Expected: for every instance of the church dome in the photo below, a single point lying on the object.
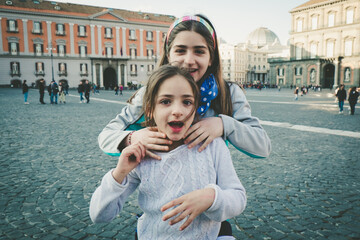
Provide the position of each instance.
(263, 36)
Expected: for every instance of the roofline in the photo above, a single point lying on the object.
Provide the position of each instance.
(315, 5)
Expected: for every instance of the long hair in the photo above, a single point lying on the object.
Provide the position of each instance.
(222, 104)
(152, 88)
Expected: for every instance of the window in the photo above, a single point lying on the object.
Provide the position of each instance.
(349, 16)
(298, 71)
(149, 36)
(150, 53)
(108, 32)
(330, 49)
(14, 48)
(132, 34)
(81, 31)
(348, 47)
(82, 51)
(15, 69)
(299, 25)
(347, 74)
(133, 52)
(312, 75)
(314, 22)
(83, 69)
(38, 49)
(298, 51)
(150, 68)
(12, 26)
(61, 49)
(331, 19)
(60, 29)
(62, 69)
(109, 52)
(133, 70)
(37, 28)
(39, 68)
(313, 50)
(280, 72)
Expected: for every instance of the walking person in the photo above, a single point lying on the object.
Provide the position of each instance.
(296, 93)
(353, 98)
(341, 96)
(121, 89)
(116, 89)
(54, 90)
(81, 90)
(87, 89)
(42, 90)
(25, 91)
(62, 93)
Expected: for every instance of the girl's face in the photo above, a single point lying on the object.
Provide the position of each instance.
(173, 106)
(190, 51)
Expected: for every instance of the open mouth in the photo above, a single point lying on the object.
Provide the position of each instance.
(191, 70)
(176, 124)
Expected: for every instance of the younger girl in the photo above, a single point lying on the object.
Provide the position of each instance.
(170, 101)
(191, 43)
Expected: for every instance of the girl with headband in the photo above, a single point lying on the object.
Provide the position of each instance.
(191, 43)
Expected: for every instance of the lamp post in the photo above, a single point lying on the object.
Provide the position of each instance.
(51, 49)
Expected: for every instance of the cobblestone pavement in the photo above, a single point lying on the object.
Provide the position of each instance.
(50, 163)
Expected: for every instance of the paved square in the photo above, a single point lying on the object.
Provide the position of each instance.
(50, 163)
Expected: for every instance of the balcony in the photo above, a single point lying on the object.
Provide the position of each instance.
(15, 73)
(133, 74)
(62, 73)
(60, 33)
(84, 74)
(39, 73)
(82, 34)
(37, 31)
(109, 36)
(12, 30)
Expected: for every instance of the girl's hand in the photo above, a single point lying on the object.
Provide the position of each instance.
(152, 140)
(130, 157)
(206, 129)
(189, 205)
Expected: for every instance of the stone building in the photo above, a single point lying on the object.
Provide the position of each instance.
(70, 42)
(324, 46)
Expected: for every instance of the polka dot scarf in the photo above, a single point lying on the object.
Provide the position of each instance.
(208, 91)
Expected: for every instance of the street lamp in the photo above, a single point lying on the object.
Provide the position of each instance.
(51, 49)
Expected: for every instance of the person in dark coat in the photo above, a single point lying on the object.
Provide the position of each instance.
(42, 90)
(81, 89)
(353, 98)
(25, 91)
(341, 95)
(87, 91)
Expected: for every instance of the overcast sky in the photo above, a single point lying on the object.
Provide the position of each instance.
(233, 19)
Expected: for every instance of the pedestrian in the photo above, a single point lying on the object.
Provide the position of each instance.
(341, 96)
(296, 93)
(170, 103)
(62, 94)
(66, 88)
(353, 98)
(25, 91)
(192, 43)
(81, 90)
(87, 89)
(116, 89)
(54, 89)
(42, 90)
(121, 89)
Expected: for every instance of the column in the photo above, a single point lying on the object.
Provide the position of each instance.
(117, 40)
(92, 33)
(318, 73)
(336, 74)
(99, 43)
(72, 39)
(124, 41)
(125, 75)
(157, 43)
(101, 76)
(48, 25)
(26, 40)
(94, 74)
(119, 73)
(141, 43)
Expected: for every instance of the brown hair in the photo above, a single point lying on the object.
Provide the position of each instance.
(156, 79)
(222, 104)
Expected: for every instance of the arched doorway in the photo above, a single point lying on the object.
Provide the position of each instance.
(16, 83)
(329, 71)
(110, 80)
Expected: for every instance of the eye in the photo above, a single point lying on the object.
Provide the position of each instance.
(188, 102)
(165, 101)
(199, 51)
(179, 50)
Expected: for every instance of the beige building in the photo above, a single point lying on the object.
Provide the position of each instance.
(324, 46)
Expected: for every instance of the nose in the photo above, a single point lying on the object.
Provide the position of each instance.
(189, 58)
(177, 110)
